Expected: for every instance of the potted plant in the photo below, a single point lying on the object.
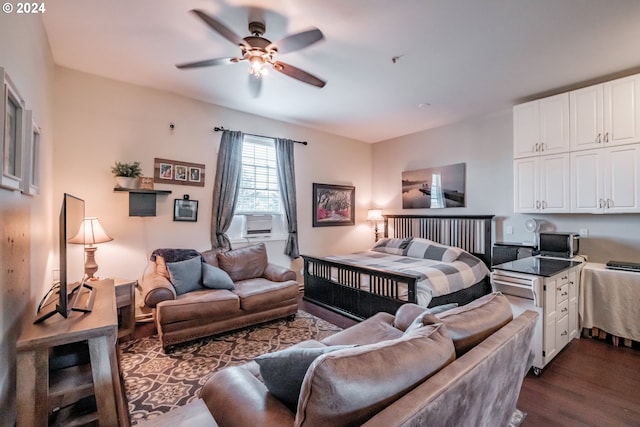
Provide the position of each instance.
(127, 174)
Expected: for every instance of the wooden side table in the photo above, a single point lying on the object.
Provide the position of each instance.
(99, 328)
(125, 304)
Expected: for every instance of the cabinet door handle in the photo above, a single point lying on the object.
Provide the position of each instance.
(537, 147)
(564, 310)
(544, 204)
(609, 203)
(537, 204)
(606, 137)
(600, 203)
(599, 138)
(542, 146)
(564, 333)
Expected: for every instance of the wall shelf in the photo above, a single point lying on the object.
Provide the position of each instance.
(142, 202)
(139, 190)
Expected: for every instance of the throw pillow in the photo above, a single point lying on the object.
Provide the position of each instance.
(419, 321)
(185, 276)
(283, 371)
(216, 278)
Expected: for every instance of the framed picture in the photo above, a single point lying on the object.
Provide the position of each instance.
(12, 138)
(333, 205)
(178, 172)
(185, 210)
(438, 187)
(181, 173)
(194, 174)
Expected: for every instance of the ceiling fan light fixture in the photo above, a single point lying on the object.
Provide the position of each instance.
(257, 65)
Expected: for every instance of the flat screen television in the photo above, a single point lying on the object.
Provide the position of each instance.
(71, 262)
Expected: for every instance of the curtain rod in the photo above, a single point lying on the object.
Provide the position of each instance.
(220, 129)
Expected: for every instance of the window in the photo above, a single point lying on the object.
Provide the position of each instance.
(259, 190)
(11, 134)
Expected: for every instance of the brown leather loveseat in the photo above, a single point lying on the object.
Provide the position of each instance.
(461, 367)
(195, 294)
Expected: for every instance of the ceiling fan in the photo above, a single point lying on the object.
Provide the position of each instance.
(259, 52)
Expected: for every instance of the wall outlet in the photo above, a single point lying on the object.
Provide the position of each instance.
(508, 229)
(584, 232)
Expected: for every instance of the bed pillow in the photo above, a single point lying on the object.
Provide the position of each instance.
(428, 249)
(216, 278)
(391, 246)
(185, 276)
(283, 371)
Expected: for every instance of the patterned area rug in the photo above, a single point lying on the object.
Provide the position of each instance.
(156, 382)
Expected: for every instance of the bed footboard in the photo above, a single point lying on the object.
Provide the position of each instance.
(339, 287)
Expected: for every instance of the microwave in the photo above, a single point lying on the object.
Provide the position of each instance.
(561, 245)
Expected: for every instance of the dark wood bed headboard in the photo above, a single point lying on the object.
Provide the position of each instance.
(472, 233)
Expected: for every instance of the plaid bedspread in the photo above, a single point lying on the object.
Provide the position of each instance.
(435, 278)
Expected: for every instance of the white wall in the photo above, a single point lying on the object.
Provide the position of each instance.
(100, 121)
(485, 145)
(26, 228)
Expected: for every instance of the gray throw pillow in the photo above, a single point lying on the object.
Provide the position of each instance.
(283, 371)
(418, 322)
(185, 275)
(216, 278)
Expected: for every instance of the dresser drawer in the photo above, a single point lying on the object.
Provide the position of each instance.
(562, 293)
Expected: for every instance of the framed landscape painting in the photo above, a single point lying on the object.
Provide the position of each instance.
(333, 205)
(437, 187)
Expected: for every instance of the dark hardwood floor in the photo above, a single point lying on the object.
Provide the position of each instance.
(590, 383)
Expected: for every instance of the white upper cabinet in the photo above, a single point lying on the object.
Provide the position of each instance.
(606, 114)
(606, 180)
(541, 184)
(541, 127)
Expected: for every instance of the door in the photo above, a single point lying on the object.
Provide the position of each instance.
(555, 183)
(586, 108)
(526, 129)
(587, 171)
(622, 189)
(554, 124)
(526, 183)
(621, 111)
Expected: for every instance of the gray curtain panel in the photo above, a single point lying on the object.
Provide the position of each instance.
(225, 188)
(287, 182)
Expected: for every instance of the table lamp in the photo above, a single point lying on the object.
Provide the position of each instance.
(90, 234)
(375, 215)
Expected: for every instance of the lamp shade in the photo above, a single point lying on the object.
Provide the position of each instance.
(374, 215)
(90, 233)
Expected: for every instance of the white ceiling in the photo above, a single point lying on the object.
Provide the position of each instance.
(463, 58)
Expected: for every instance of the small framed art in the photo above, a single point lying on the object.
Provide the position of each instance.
(185, 210)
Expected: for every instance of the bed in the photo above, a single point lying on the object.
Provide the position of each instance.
(362, 284)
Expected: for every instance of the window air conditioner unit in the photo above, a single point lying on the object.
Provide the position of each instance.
(257, 226)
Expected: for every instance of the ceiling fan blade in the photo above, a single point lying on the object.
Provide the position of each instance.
(298, 41)
(255, 85)
(206, 63)
(298, 74)
(220, 28)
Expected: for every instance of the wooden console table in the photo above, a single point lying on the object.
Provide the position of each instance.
(610, 301)
(37, 397)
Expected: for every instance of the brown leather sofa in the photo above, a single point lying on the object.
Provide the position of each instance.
(262, 292)
(464, 367)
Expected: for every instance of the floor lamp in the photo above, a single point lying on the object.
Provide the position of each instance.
(90, 234)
